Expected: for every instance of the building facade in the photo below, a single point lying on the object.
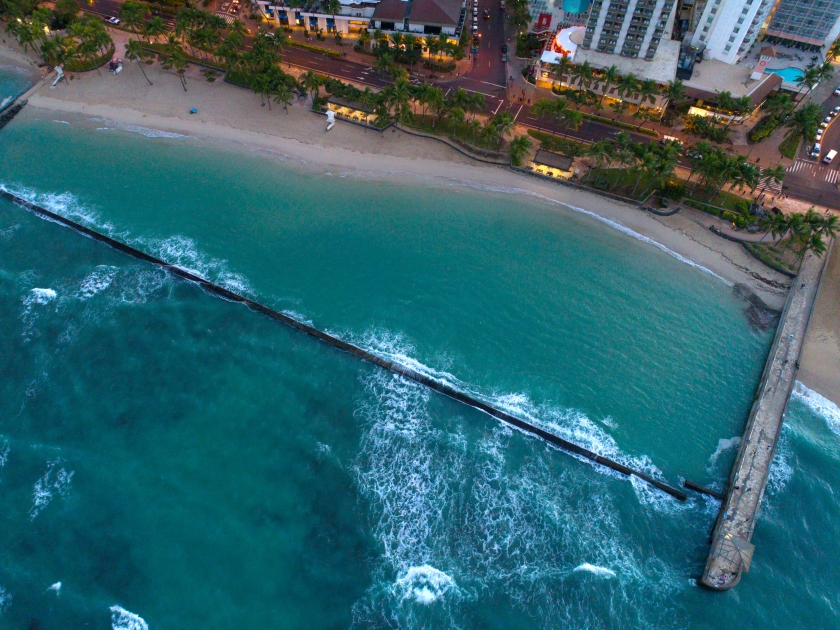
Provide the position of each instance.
(809, 23)
(631, 28)
(726, 29)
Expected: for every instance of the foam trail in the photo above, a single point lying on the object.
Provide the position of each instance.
(820, 405)
(56, 587)
(724, 444)
(121, 619)
(595, 570)
(143, 131)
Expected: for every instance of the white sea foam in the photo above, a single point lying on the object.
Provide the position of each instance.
(5, 101)
(4, 453)
(5, 600)
(820, 405)
(61, 122)
(298, 317)
(424, 585)
(6, 233)
(121, 619)
(96, 281)
(781, 469)
(143, 131)
(723, 445)
(48, 486)
(55, 587)
(33, 302)
(40, 296)
(595, 570)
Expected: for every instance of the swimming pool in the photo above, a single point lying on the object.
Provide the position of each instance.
(789, 75)
(575, 6)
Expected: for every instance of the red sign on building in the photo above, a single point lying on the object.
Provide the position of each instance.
(543, 22)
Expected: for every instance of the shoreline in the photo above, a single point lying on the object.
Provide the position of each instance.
(234, 116)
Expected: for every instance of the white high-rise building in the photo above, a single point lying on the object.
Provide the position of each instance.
(727, 28)
(631, 28)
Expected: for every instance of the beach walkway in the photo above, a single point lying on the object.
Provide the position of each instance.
(731, 551)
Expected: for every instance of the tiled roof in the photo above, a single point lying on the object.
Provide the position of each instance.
(437, 12)
(390, 10)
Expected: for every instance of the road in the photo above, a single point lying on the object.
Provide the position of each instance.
(809, 179)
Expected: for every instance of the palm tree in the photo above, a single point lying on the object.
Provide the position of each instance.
(154, 28)
(175, 59)
(830, 225)
(133, 14)
(430, 42)
(384, 64)
(504, 123)
(542, 108)
(805, 122)
(585, 74)
(134, 51)
(443, 45)
(54, 50)
(645, 164)
(648, 91)
(627, 159)
(675, 91)
(558, 108)
(563, 67)
(436, 101)
(311, 83)
(597, 152)
(399, 99)
(476, 104)
(779, 105)
(833, 51)
(809, 79)
(283, 96)
(364, 38)
(775, 173)
(608, 78)
(773, 224)
(571, 119)
(518, 147)
(474, 126)
(457, 116)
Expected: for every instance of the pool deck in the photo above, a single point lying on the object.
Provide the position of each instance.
(731, 550)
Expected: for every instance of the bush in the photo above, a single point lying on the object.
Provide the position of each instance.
(557, 145)
(764, 129)
(673, 190)
(80, 65)
(737, 219)
(408, 57)
(743, 207)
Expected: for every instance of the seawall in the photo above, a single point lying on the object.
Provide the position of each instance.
(392, 366)
(731, 550)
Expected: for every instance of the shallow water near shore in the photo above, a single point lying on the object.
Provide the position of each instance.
(199, 466)
(13, 82)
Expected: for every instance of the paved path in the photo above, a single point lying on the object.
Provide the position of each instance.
(731, 551)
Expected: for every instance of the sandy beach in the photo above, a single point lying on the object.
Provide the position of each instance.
(236, 116)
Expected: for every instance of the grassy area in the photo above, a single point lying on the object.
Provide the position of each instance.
(620, 182)
(790, 145)
(449, 128)
(775, 257)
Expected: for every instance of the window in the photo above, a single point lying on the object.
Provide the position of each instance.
(705, 29)
(731, 38)
(740, 20)
(727, 48)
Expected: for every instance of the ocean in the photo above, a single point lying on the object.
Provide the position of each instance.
(13, 82)
(173, 460)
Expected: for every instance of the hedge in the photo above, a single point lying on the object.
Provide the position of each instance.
(437, 67)
(327, 51)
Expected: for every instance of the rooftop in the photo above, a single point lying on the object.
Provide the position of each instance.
(711, 76)
(554, 160)
(662, 69)
(437, 12)
(391, 10)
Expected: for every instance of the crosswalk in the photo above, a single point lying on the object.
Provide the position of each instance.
(815, 170)
(229, 19)
(770, 185)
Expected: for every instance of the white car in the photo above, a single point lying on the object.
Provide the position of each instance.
(835, 111)
(819, 136)
(815, 152)
(113, 20)
(837, 92)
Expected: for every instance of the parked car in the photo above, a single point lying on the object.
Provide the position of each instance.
(829, 156)
(503, 6)
(475, 9)
(486, 14)
(837, 92)
(815, 152)
(113, 20)
(504, 58)
(819, 135)
(836, 110)
(504, 48)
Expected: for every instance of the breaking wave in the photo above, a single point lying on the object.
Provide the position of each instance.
(121, 619)
(595, 570)
(113, 125)
(820, 405)
(48, 486)
(723, 445)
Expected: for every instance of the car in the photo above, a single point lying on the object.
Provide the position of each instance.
(815, 152)
(829, 156)
(504, 58)
(474, 49)
(475, 9)
(836, 110)
(837, 92)
(504, 48)
(486, 14)
(475, 28)
(476, 41)
(503, 6)
(818, 136)
(113, 20)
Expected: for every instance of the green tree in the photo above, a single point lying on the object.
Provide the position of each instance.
(311, 83)
(283, 96)
(805, 122)
(608, 78)
(65, 12)
(133, 14)
(518, 147)
(154, 28)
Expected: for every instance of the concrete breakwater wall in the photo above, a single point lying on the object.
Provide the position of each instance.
(392, 366)
(731, 550)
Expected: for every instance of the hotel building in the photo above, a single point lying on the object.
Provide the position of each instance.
(810, 24)
(726, 29)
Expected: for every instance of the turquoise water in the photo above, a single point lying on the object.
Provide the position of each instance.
(175, 458)
(789, 75)
(13, 81)
(575, 6)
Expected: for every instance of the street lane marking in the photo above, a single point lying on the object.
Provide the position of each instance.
(498, 108)
(517, 113)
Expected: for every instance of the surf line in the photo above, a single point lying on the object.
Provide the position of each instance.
(386, 364)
